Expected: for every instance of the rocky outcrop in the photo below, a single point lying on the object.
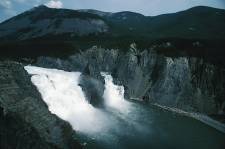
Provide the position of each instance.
(190, 84)
(93, 89)
(25, 119)
(187, 83)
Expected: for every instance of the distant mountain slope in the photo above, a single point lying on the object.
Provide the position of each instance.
(195, 23)
(41, 21)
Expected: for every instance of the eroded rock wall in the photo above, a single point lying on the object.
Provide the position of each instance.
(187, 83)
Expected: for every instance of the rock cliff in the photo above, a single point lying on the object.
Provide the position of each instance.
(188, 83)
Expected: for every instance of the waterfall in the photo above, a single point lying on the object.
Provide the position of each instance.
(65, 98)
(119, 122)
(114, 94)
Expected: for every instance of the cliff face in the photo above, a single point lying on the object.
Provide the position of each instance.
(25, 119)
(190, 84)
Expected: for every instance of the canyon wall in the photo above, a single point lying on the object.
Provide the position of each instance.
(187, 83)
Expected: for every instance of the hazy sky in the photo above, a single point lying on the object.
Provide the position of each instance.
(9, 8)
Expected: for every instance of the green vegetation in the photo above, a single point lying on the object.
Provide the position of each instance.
(63, 46)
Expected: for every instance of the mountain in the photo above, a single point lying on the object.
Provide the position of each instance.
(97, 12)
(198, 22)
(175, 61)
(41, 21)
(198, 32)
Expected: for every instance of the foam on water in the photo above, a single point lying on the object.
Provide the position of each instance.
(65, 98)
(60, 90)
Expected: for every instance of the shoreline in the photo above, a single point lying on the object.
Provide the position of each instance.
(200, 117)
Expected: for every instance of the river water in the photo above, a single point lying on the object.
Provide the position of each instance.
(120, 124)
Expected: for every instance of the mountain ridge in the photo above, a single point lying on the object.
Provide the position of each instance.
(95, 10)
(197, 22)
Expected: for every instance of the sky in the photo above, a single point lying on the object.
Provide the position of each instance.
(9, 8)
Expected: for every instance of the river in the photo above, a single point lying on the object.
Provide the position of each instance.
(121, 123)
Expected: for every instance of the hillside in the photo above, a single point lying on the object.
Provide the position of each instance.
(198, 22)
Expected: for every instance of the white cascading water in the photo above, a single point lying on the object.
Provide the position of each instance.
(65, 98)
(114, 95)
(60, 90)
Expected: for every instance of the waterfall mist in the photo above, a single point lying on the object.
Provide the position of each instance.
(60, 90)
(65, 98)
(114, 95)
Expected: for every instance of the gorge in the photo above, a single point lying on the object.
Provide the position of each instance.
(96, 80)
(118, 119)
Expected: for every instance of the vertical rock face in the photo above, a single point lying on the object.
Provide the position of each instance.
(209, 85)
(190, 84)
(25, 119)
(93, 89)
